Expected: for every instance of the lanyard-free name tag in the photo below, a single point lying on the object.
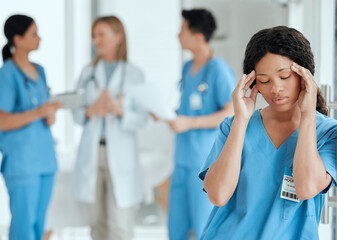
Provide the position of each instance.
(288, 186)
(195, 101)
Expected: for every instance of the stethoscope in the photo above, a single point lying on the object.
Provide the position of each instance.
(95, 81)
(26, 83)
(203, 86)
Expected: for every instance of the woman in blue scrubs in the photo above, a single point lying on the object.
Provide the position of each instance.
(269, 169)
(29, 162)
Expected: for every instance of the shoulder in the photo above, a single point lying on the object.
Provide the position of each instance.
(7, 72)
(39, 67)
(7, 67)
(219, 64)
(133, 73)
(228, 121)
(87, 70)
(40, 70)
(221, 72)
(187, 65)
(130, 67)
(326, 127)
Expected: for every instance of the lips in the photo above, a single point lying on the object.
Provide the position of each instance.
(280, 100)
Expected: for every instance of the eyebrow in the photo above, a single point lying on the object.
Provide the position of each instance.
(280, 70)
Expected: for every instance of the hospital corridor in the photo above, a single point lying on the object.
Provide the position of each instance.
(168, 119)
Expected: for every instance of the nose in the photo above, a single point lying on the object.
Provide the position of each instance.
(277, 87)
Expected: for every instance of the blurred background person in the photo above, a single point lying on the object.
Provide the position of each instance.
(29, 161)
(206, 86)
(107, 171)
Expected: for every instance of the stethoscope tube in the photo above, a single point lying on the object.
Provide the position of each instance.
(121, 84)
(203, 86)
(26, 80)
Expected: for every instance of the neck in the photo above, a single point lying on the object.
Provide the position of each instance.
(20, 57)
(202, 54)
(292, 115)
(111, 57)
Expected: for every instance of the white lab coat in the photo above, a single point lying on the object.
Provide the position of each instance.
(121, 142)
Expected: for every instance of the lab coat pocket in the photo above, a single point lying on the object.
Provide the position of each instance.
(302, 208)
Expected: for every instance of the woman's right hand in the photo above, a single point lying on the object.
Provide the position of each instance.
(48, 111)
(244, 107)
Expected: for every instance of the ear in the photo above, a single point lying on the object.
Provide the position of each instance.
(17, 40)
(200, 37)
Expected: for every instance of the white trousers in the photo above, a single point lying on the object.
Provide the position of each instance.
(109, 222)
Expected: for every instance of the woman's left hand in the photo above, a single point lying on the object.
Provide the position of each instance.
(308, 95)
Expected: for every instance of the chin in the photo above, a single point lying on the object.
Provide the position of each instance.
(283, 108)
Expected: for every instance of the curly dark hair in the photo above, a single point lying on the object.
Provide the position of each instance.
(286, 42)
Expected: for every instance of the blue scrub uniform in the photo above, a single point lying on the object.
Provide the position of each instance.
(256, 211)
(188, 207)
(29, 161)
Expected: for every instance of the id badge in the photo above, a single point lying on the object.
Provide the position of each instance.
(288, 186)
(195, 101)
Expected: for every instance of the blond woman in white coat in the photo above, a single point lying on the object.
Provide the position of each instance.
(107, 171)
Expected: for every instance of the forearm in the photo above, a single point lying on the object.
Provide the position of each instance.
(309, 172)
(213, 120)
(12, 121)
(222, 177)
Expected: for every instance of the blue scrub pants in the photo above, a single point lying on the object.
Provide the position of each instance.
(189, 206)
(29, 197)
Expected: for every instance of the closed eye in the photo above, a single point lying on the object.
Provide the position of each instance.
(283, 78)
(264, 82)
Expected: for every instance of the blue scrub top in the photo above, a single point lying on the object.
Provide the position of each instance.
(192, 147)
(28, 150)
(256, 211)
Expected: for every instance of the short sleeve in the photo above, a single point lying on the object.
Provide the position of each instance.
(220, 140)
(7, 91)
(327, 152)
(225, 84)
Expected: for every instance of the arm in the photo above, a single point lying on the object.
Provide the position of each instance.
(185, 123)
(309, 172)
(12, 121)
(222, 177)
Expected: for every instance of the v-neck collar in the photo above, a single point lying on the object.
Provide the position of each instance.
(26, 75)
(203, 67)
(267, 136)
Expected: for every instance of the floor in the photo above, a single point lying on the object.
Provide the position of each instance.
(150, 225)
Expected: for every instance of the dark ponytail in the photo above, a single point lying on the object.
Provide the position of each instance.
(14, 25)
(6, 52)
